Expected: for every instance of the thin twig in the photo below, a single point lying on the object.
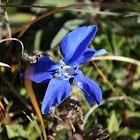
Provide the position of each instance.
(43, 16)
(72, 126)
(19, 42)
(53, 113)
(7, 24)
(104, 5)
(4, 64)
(107, 100)
(31, 122)
(117, 58)
(25, 29)
(105, 79)
(95, 12)
(3, 40)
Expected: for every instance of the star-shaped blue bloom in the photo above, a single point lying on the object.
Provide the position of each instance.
(75, 52)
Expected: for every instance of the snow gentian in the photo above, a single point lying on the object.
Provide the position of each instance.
(75, 52)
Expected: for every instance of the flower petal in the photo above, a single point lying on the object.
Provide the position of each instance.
(42, 71)
(100, 52)
(90, 89)
(89, 53)
(74, 44)
(58, 90)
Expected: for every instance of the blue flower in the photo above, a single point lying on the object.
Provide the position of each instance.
(75, 52)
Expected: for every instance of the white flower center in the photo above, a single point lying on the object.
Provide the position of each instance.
(68, 71)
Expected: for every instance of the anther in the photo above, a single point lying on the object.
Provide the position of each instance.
(68, 71)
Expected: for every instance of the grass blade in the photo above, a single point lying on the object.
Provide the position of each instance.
(29, 88)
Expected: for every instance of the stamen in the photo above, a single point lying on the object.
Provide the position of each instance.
(68, 71)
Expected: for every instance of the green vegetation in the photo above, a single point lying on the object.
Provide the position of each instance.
(118, 32)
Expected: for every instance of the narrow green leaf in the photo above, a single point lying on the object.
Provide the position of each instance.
(113, 124)
(121, 131)
(51, 3)
(19, 18)
(133, 133)
(55, 3)
(133, 114)
(111, 39)
(38, 39)
(68, 26)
